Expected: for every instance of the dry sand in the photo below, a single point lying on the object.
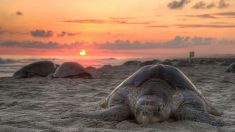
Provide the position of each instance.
(37, 104)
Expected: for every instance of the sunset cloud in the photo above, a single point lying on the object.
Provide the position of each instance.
(203, 16)
(121, 18)
(41, 33)
(2, 31)
(177, 42)
(178, 4)
(209, 25)
(206, 25)
(159, 26)
(19, 13)
(203, 5)
(38, 44)
(214, 15)
(223, 4)
(9, 32)
(111, 20)
(86, 21)
(225, 14)
(63, 34)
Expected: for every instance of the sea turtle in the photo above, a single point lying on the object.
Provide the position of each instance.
(39, 68)
(149, 62)
(182, 63)
(156, 93)
(131, 63)
(71, 70)
(231, 68)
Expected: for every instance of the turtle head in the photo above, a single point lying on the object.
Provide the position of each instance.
(20, 74)
(150, 109)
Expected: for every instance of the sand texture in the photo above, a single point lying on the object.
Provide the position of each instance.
(37, 104)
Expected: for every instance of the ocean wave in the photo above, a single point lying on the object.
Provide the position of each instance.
(7, 61)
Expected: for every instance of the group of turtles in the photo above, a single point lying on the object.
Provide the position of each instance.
(154, 93)
(75, 70)
(229, 62)
(52, 70)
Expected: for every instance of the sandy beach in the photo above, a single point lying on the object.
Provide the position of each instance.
(37, 104)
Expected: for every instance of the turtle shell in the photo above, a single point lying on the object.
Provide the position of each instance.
(40, 68)
(70, 69)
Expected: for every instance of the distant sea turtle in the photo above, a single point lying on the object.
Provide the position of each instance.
(231, 68)
(182, 63)
(71, 70)
(227, 61)
(156, 93)
(131, 63)
(149, 62)
(40, 68)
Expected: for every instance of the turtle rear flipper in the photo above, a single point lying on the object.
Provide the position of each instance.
(190, 113)
(115, 113)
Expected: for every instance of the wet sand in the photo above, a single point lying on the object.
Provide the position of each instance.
(37, 104)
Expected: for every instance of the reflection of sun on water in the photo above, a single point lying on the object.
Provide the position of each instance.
(83, 52)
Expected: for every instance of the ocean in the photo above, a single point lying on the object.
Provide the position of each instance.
(10, 65)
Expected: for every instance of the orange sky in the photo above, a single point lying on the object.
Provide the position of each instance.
(144, 27)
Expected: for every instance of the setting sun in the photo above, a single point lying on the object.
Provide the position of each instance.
(83, 52)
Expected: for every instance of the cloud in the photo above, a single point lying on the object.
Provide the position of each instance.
(177, 42)
(205, 25)
(2, 31)
(199, 5)
(158, 26)
(8, 32)
(133, 23)
(63, 34)
(223, 4)
(18, 13)
(178, 4)
(211, 5)
(203, 5)
(127, 45)
(41, 33)
(209, 25)
(38, 44)
(111, 20)
(114, 35)
(203, 16)
(215, 15)
(86, 21)
(121, 18)
(225, 14)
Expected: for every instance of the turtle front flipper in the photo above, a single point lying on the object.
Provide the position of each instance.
(190, 113)
(213, 110)
(115, 113)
